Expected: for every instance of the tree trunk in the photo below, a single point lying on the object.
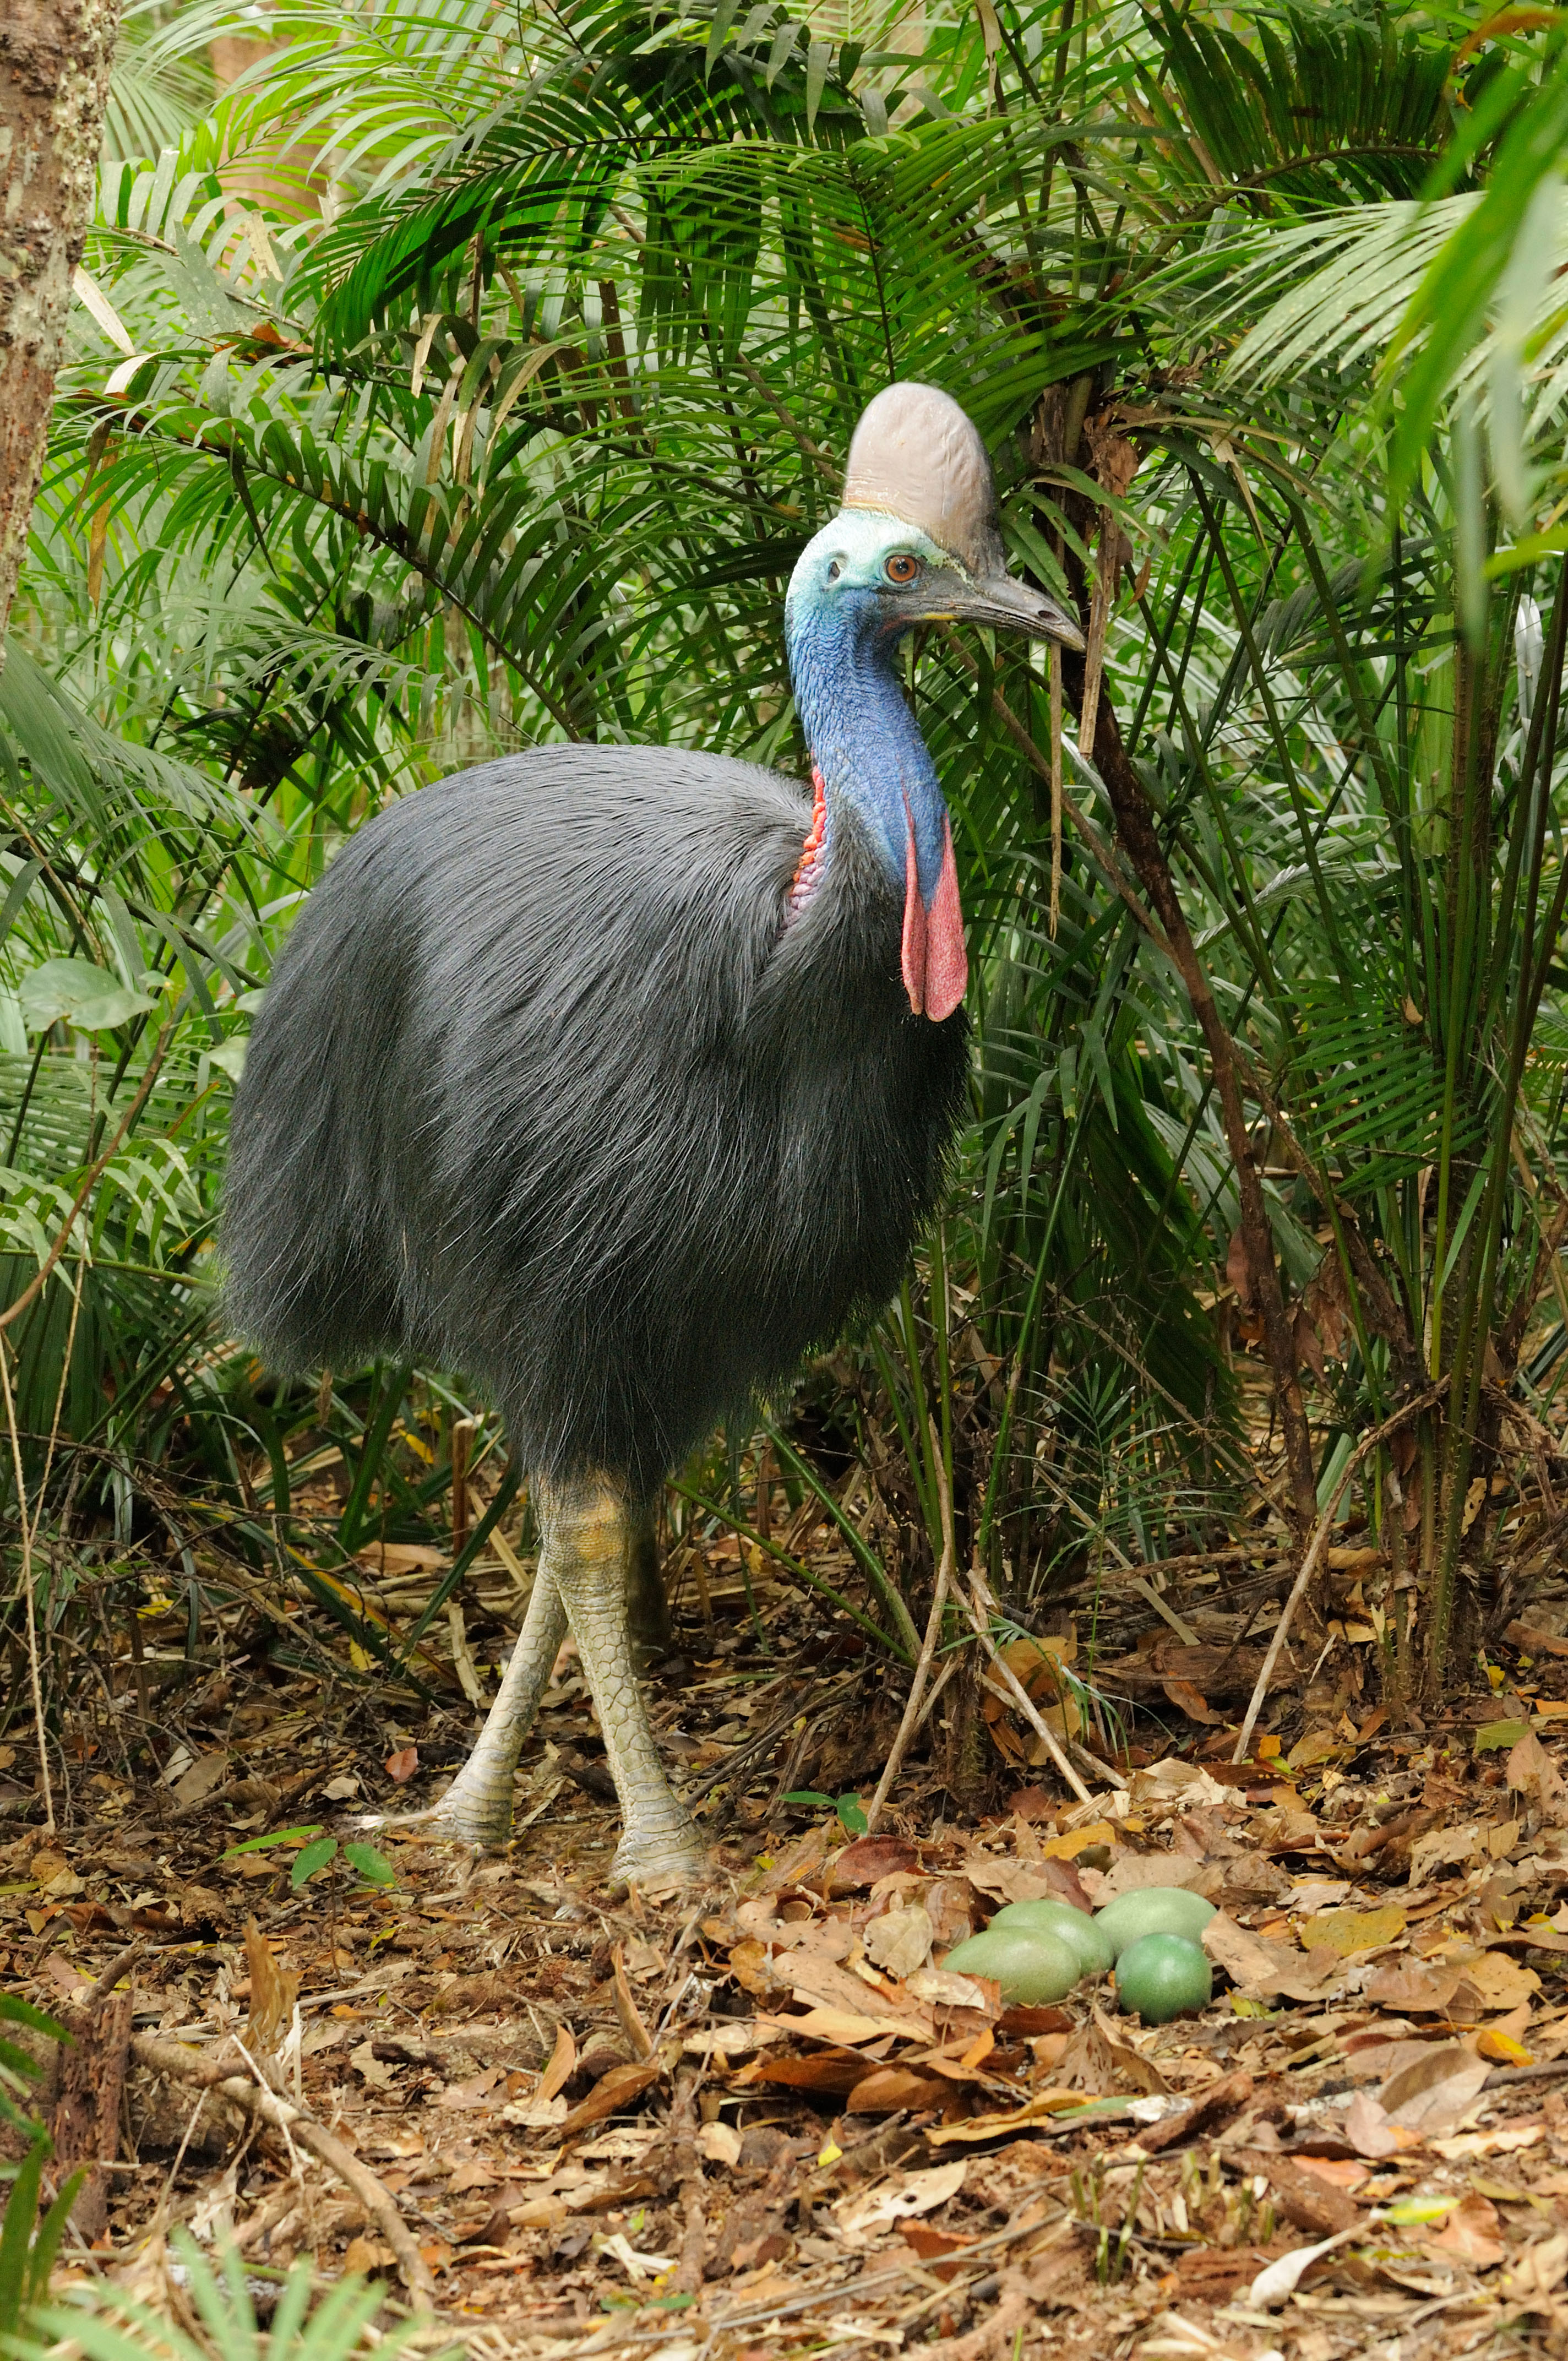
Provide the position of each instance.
(55, 57)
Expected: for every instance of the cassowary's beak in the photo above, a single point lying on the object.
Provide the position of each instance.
(1008, 604)
(999, 599)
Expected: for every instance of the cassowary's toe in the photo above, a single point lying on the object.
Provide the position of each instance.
(657, 1860)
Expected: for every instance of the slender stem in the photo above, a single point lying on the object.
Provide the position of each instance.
(910, 1721)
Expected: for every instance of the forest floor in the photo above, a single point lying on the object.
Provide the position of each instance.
(764, 2120)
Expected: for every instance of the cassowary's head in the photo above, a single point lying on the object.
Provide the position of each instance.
(916, 541)
(916, 538)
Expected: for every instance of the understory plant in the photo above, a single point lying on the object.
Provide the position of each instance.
(454, 382)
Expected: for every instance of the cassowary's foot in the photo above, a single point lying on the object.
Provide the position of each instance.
(476, 1807)
(657, 1858)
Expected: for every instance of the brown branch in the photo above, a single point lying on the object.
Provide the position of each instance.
(1140, 840)
(120, 1965)
(172, 2057)
(1100, 852)
(1384, 1312)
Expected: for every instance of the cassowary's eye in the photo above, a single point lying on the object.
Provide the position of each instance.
(902, 569)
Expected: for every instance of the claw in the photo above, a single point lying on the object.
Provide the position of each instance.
(469, 1827)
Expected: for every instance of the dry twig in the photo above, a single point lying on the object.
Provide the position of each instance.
(911, 1719)
(173, 2058)
(1314, 1550)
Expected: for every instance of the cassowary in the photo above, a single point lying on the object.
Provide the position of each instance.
(619, 1078)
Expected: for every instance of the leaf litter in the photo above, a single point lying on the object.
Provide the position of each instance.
(767, 2119)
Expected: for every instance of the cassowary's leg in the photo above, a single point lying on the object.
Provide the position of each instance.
(647, 1607)
(590, 1528)
(476, 1807)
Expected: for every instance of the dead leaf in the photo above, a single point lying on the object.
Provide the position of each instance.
(1191, 1702)
(1501, 1981)
(893, 2200)
(721, 2143)
(471, 2092)
(401, 1767)
(1411, 1988)
(1369, 2131)
(1319, 1745)
(205, 1774)
(824, 1982)
(1431, 2094)
(1339, 2171)
(856, 1868)
(1278, 2281)
(1044, 2104)
(273, 1992)
(1067, 1846)
(1439, 1847)
(1504, 2141)
(900, 1940)
(1470, 2233)
(946, 1989)
(1135, 1873)
(836, 2072)
(563, 2060)
(929, 2245)
(889, 2087)
(1348, 1931)
(369, 2067)
(368, 2256)
(1532, 1772)
(1538, 2270)
(632, 2024)
(612, 2091)
(1262, 1970)
(1098, 2065)
(842, 2027)
(753, 1969)
(63, 1975)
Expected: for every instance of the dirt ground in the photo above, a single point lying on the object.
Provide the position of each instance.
(765, 2119)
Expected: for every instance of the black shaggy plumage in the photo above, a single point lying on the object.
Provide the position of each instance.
(549, 1088)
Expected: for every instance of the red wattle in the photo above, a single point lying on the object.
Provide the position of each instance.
(914, 929)
(935, 964)
(947, 961)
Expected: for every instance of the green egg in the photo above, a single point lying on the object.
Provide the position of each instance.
(1162, 1976)
(1031, 1965)
(1074, 1928)
(1157, 1910)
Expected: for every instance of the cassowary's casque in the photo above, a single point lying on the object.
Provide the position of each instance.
(618, 1077)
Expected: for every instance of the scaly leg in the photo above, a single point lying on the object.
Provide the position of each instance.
(589, 1526)
(476, 1807)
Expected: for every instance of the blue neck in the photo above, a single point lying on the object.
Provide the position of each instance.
(862, 735)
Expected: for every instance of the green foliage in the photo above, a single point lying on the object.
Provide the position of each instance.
(18, 2068)
(28, 2244)
(105, 2324)
(316, 1852)
(849, 1809)
(460, 380)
